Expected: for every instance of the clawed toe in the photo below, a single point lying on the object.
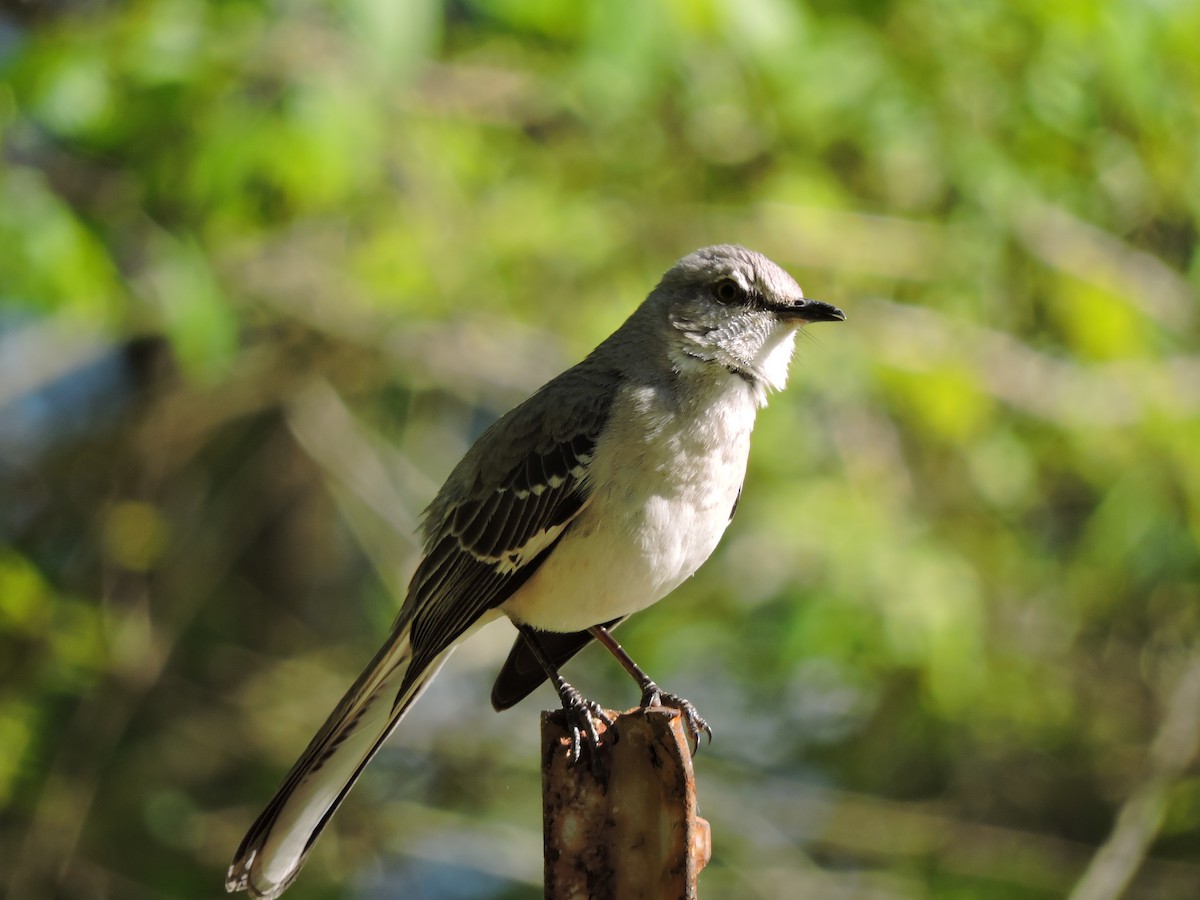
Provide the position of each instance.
(583, 722)
(693, 722)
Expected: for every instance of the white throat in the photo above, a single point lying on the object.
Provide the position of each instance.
(765, 371)
(772, 361)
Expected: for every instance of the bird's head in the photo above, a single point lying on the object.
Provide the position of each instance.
(730, 306)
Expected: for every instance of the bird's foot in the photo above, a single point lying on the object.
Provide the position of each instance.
(583, 722)
(693, 722)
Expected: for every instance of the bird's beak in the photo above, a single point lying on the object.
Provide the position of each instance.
(814, 311)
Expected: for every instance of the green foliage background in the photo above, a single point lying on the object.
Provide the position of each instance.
(267, 268)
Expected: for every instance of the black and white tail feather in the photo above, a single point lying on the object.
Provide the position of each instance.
(496, 519)
(720, 324)
(275, 847)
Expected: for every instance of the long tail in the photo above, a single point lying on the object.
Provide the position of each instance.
(276, 845)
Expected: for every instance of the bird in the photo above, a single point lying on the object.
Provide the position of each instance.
(591, 500)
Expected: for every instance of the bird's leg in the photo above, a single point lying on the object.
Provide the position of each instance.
(582, 714)
(652, 695)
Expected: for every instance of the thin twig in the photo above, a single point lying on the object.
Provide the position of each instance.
(1140, 819)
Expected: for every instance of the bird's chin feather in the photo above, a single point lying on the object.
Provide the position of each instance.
(772, 361)
(758, 356)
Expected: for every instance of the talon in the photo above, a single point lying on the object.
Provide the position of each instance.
(583, 716)
(693, 722)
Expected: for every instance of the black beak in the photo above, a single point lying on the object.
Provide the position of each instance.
(815, 311)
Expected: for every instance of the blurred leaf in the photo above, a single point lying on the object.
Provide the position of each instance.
(25, 596)
(17, 724)
(135, 535)
(941, 630)
(196, 315)
(50, 260)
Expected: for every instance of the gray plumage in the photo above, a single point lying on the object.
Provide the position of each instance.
(587, 502)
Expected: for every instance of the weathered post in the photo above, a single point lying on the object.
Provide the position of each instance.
(624, 826)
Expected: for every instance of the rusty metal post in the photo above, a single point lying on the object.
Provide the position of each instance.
(626, 827)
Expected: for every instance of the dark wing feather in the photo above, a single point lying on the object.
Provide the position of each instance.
(504, 508)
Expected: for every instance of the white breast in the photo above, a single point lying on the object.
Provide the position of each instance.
(664, 480)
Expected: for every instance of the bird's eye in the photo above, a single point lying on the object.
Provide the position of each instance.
(728, 290)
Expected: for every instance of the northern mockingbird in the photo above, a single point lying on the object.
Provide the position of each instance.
(591, 500)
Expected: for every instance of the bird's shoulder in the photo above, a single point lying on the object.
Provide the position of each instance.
(545, 441)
